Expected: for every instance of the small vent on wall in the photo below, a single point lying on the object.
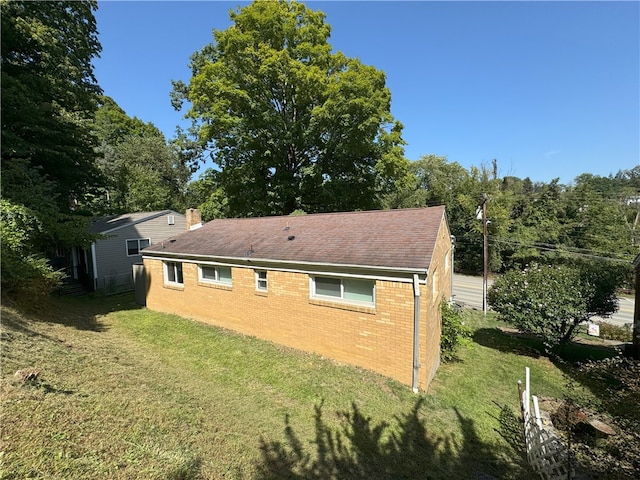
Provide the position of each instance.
(171, 219)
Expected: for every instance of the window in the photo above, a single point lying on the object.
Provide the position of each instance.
(134, 246)
(212, 274)
(349, 290)
(261, 281)
(173, 273)
(171, 219)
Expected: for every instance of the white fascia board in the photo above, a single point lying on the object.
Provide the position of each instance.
(312, 268)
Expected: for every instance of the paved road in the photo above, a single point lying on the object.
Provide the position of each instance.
(467, 291)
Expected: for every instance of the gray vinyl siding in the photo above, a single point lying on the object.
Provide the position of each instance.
(114, 266)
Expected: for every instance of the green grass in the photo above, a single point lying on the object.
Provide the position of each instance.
(127, 393)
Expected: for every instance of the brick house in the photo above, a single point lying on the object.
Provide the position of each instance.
(362, 288)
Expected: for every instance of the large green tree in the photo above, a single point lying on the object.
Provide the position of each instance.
(149, 175)
(291, 124)
(49, 94)
(141, 170)
(206, 194)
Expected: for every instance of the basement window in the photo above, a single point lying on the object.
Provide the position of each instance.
(173, 273)
(347, 290)
(211, 274)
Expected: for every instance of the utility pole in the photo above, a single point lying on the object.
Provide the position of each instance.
(485, 253)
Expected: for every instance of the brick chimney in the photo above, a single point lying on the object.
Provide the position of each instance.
(194, 219)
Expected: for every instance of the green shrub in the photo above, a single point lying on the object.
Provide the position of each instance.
(609, 331)
(25, 273)
(454, 332)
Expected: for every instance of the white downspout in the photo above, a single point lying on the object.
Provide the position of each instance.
(416, 332)
(95, 266)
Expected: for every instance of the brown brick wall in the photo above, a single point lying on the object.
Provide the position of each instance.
(379, 339)
(438, 286)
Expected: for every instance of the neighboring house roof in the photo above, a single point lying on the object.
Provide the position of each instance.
(402, 239)
(114, 222)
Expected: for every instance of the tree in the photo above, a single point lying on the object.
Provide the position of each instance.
(536, 225)
(208, 196)
(111, 125)
(604, 213)
(148, 175)
(49, 93)
(290, 124)
(142, 172)
(551, 301)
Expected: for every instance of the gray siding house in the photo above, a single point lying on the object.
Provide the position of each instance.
(107, 266)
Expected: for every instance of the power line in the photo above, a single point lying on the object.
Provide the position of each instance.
(563, 250)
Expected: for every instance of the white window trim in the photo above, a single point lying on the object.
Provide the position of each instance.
(265, 280)
(202, 279)
(126, 245)
(166, 273)
(313, 295)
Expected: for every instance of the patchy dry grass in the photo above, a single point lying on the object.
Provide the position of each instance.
(126, 393)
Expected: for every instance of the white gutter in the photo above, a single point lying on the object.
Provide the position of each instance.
(250, 261)
(95, 266)
(416, 332)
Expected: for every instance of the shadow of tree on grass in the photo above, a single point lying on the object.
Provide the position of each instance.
(528, 345)
(81, 313)
(364, 450)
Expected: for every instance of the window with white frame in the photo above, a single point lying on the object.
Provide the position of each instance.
(261, 280)
(349, 290)
(136, 244)
(214, 274)
(173, 273)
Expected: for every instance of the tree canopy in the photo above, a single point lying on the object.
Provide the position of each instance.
(142, 171)
(290, 124)
(49, 93)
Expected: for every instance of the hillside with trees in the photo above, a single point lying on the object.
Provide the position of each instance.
(290, 126)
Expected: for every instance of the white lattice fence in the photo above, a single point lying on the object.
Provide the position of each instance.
(546, 452)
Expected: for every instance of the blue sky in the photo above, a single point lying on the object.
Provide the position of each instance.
(549, 89)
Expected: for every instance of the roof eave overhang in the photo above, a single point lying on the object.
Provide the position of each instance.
(269, 262)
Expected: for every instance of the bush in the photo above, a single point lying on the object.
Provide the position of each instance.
(25, 273)
(454, 332)
(609, 331)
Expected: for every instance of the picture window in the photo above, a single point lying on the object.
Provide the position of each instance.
(348, 290)
(215, 274)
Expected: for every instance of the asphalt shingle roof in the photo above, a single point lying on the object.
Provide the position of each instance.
(402, 238)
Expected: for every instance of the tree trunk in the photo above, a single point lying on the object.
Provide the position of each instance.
(566, 338)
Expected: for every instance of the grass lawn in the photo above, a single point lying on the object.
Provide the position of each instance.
(127, 393)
